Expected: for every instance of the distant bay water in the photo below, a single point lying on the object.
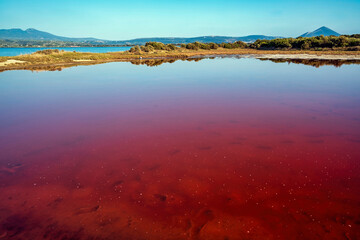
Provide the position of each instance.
(20, 51)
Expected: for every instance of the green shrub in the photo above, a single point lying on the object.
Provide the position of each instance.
(305, 45)
(147, 48)
(213, 46)
(227, 45)
(239, 44)
(192, 46)
(170, 47)
(135, 49)
(156, 45)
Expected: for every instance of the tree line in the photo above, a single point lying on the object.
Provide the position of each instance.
(151, 46)
(310, 43)
(344, 42)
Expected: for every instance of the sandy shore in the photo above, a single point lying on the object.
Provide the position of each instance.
(10, 62)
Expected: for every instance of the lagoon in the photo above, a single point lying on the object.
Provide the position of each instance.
(220, 148)
(21, 51)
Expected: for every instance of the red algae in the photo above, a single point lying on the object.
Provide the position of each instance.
(198, 167)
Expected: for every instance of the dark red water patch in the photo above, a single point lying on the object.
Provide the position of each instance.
(227, 164)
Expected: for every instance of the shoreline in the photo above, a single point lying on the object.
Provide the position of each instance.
(59, 60)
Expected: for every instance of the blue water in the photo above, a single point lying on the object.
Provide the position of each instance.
(19, 51)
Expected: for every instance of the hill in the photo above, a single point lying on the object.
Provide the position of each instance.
(204, 39)
(32, 34)
(320, 31)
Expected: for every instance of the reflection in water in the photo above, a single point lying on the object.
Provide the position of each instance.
(228, 149)
(311, 62)
(157, 62)
(316, 62)
(152, 62)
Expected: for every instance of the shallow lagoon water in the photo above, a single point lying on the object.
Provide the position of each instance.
(216, 149)
(21, 51)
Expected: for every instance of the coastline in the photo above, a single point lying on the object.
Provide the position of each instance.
(59, 60)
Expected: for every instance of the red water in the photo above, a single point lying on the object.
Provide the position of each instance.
(213, 160)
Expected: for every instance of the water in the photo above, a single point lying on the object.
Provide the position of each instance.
(216, 149)
(20, 51)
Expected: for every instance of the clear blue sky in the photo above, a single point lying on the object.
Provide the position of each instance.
(120, 20)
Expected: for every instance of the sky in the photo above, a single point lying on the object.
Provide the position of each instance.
(122, 20)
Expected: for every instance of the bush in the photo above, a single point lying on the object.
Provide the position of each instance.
(354, 42)
(202, 45)
(357, 48)
(156, 45)
(170, 47)
(48, 51)
(305, 45)
(213, 46)
(239, 44)
(192, 46)
(227, 45)
(135, 49)
(147, 48)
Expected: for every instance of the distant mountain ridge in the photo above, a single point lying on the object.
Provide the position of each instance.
(320, 31)
(33, 34)
(204, 39)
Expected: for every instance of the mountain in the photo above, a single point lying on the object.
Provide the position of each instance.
(204, 39)
(33, 34)
(321, 31)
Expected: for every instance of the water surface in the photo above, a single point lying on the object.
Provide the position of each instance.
(216, 149)
(20, 51)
